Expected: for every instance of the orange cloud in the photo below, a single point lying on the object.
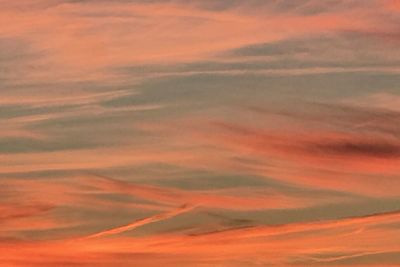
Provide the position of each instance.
(153, 93)
(90, 38)
(304, 244)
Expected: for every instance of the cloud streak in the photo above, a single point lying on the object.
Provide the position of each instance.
(139, 223)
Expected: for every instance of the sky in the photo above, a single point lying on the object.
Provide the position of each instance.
(199, 133)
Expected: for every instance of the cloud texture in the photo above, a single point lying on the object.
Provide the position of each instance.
(199, 133)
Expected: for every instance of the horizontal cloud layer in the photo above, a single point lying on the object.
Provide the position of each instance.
(188, 133)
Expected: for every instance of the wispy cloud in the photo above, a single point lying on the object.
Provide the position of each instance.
(185, 133)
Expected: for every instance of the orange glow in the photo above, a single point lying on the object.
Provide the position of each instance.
(199, 133)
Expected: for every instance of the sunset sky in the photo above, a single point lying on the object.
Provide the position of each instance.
(199, 133)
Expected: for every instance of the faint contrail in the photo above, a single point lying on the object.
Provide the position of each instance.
(139, 223)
